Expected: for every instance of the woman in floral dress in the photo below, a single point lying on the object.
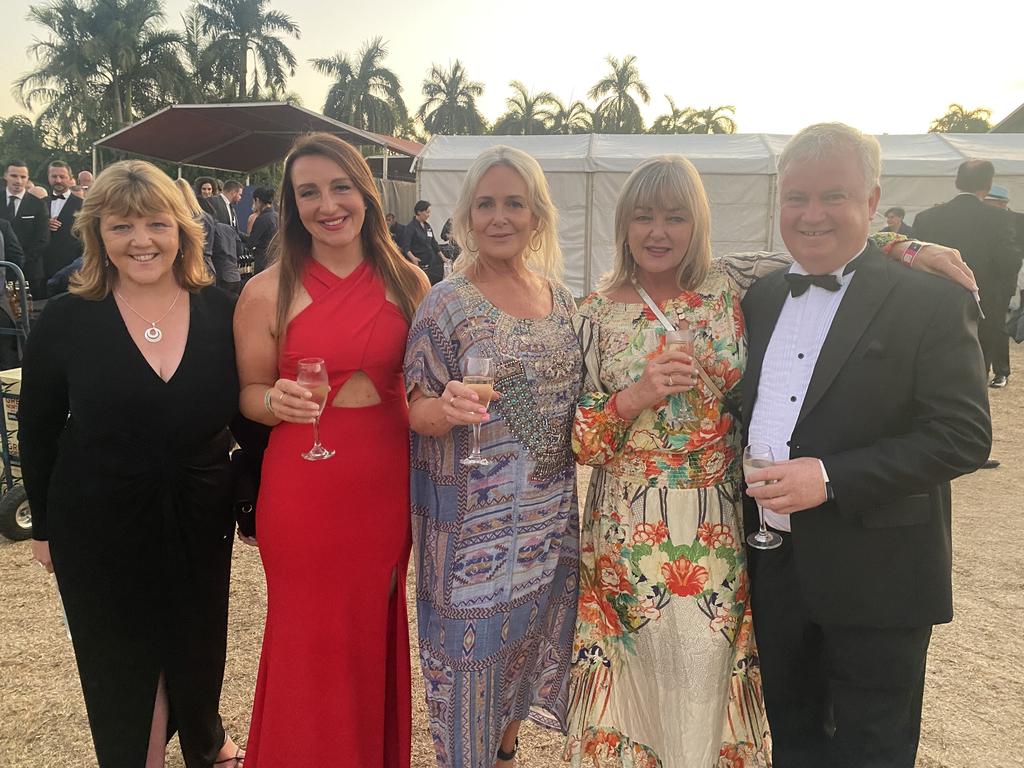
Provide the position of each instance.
(665, 672)
(497, 546)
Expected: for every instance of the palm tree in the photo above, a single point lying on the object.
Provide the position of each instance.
(365, 94)
(450, 106)
(675, 120)
(713, 120)
(527, 114)
(960, 120)
(618, 109)
(574, 118)
(104, 64)
(206, 79)
(242, 26)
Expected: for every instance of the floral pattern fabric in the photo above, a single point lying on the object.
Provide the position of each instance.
(665, 671)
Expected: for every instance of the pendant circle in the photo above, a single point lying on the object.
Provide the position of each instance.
(153, 334)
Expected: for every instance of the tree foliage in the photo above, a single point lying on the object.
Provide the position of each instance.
(365, 94)
(450, 102)
(960, 120)
(617, 107)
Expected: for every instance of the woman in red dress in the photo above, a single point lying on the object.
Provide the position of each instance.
(333, 683)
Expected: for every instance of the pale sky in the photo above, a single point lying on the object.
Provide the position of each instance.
(884, 67)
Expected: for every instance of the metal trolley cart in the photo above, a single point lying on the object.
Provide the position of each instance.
(15, 516)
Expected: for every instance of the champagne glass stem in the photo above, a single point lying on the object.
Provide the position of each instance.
(476, 441)
(760, 514)
(316, 436)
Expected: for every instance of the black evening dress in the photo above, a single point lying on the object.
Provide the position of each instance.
(128, 478)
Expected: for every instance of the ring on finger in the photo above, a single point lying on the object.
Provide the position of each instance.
(670, 380)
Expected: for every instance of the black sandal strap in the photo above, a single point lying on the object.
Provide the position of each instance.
(503, 755)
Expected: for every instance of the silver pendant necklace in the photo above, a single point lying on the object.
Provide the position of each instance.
(152, 334)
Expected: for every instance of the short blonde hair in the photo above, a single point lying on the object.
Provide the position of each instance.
(822, 140)
(547, 259)
(134, 188)
(667, 182)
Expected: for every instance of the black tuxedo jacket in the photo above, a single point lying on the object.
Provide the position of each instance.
(897, 406)
(984, 235)
(63, 247)
(219, 208)
(31, 226)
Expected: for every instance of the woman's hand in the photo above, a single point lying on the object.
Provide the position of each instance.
(250, 540)
(667, 374)
(461, 405)
(293, 403)
(41, 554)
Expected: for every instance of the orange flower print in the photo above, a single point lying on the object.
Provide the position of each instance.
(650, 533)
(730, 757)
(598, 612)
(684, 578)
(693, 299)
(715, 535)
(613, 575)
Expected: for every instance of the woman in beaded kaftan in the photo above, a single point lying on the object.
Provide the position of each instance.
(496, 546)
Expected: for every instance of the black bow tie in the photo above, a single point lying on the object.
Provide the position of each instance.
(60, 197)
(798, 284)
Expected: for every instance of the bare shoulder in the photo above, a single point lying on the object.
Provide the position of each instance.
(258, 301)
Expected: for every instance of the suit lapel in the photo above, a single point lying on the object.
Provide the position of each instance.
(761, 319)
(870, 285)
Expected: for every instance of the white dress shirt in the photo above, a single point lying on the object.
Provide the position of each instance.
(231, 211)
(57, 205)
(789, 361)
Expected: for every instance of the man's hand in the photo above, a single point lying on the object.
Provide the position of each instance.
(944, 262)
(792, 486)
(55, 224)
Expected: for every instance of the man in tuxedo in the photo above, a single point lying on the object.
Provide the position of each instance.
(223, 204)
(419, 244)
(985, 237)
(866, 380)
(29, 219)
(999, 197)
(63, 247)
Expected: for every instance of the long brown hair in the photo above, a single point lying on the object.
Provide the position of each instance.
(293, 241)
(134, 188)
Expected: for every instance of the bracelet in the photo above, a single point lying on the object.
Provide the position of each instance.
(886, 248)
(911, 253)
(267, 402)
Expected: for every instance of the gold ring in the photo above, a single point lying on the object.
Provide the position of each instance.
(670, 380)
(282, 397)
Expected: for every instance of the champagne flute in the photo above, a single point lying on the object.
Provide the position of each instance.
(758, 456)
(312, 375)
(479, 377)
(680, 340)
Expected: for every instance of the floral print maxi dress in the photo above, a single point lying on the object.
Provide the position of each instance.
(665, 673)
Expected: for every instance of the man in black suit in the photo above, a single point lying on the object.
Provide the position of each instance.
(999, 197)
(30, 219)
(420, 246)
(985, 238)
(223, 204)
(63, 247)
(866, 380)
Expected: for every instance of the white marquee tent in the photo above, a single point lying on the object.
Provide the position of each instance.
(585, 174)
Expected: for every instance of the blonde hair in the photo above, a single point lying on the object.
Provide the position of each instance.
(191, 201)
(822, 140)
(667, 182)
(547, 258)
(293, 242)
(134, 188)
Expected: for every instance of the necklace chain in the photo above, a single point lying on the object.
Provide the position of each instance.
(153, 334)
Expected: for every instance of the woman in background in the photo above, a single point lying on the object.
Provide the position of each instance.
(333, 686)
(129, 386)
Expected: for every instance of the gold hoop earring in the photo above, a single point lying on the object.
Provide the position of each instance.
(540, 241)
(471, 248)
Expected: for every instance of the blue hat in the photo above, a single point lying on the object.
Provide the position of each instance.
(998, 193)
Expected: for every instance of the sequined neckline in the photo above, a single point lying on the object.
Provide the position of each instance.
(553, 314)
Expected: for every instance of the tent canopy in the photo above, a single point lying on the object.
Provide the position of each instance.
(235, 137)
(739, 171)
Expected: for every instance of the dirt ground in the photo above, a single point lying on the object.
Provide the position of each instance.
(973, 701)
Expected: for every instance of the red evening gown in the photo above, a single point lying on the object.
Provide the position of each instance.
(333, 686)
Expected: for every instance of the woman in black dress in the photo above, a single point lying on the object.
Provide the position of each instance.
(128, 387)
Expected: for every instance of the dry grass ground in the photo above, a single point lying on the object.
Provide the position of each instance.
(973, 702)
